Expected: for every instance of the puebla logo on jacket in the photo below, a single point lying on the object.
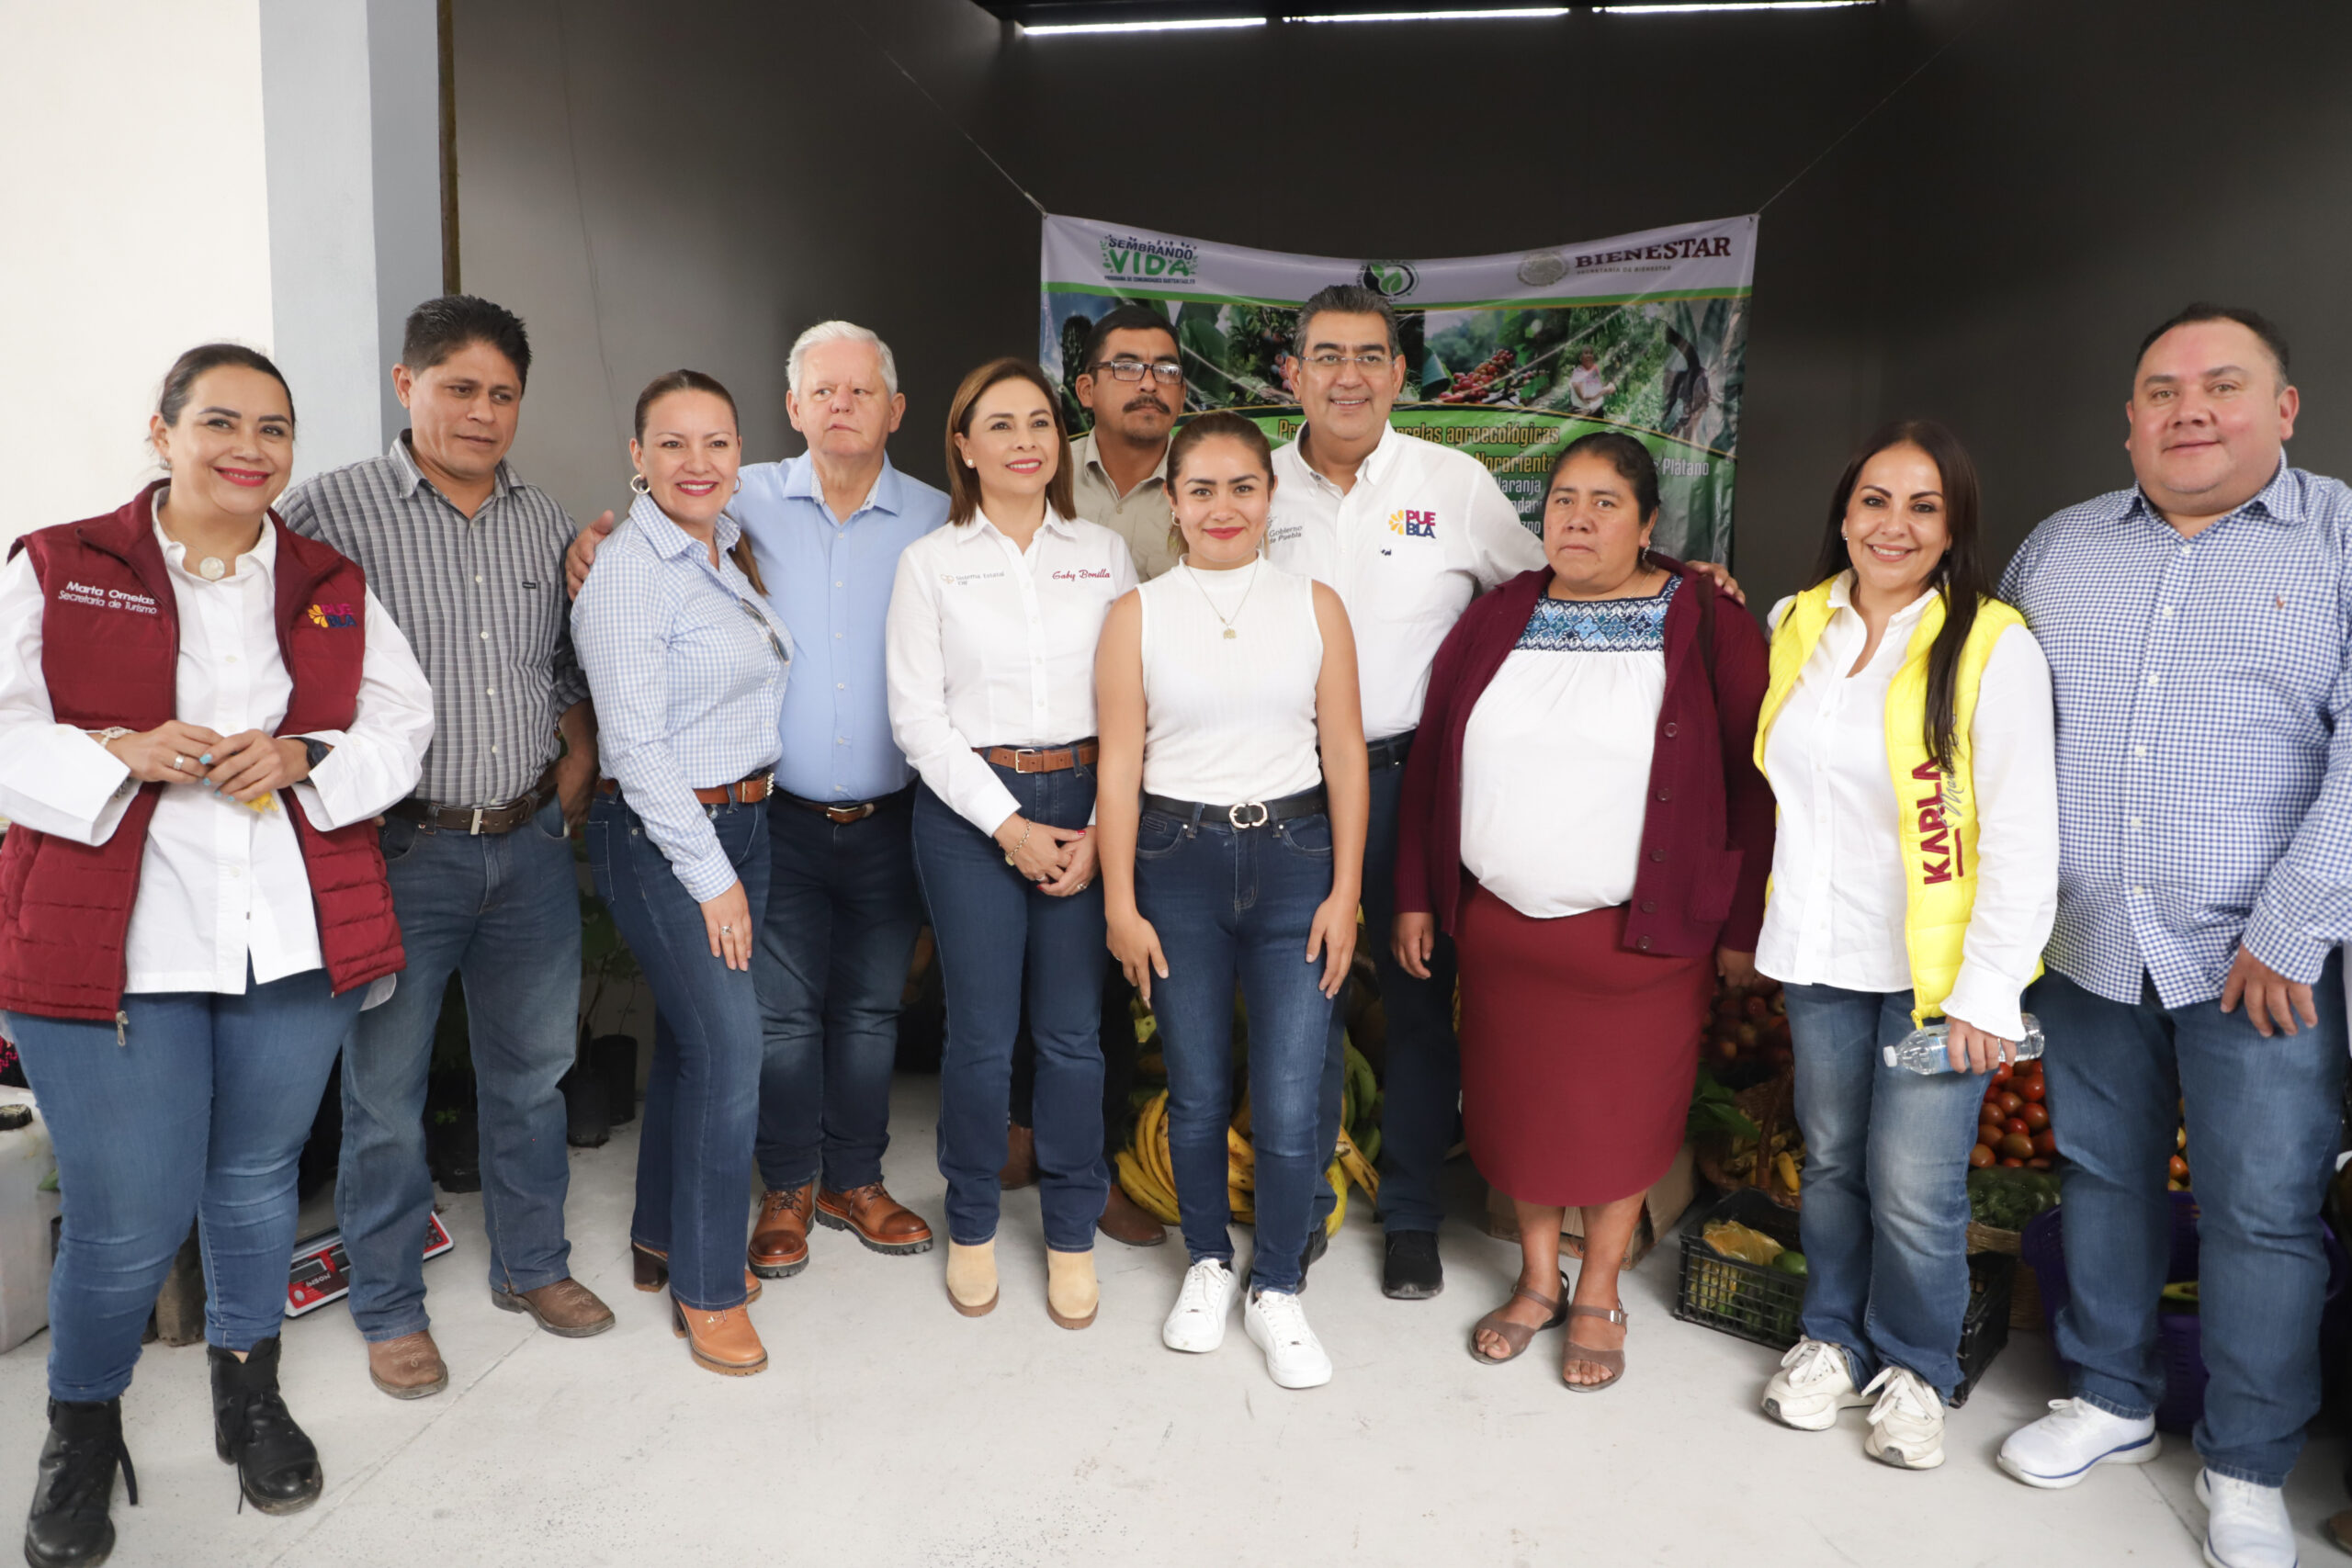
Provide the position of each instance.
(327, 616)
(1413, 524)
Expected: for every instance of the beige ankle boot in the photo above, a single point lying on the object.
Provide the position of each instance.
(971, 1278)
(1071, 1294)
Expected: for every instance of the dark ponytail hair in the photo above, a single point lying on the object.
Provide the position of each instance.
(672, 382)
(1961, 576)
(1220, 424)
(179, 381)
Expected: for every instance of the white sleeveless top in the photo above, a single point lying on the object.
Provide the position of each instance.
(1230, 720)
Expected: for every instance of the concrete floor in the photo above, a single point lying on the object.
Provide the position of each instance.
(889, 1431)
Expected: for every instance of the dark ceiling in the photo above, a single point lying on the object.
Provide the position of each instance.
(1176, 10)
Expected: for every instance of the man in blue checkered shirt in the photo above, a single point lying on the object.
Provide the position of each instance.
(2196, 627)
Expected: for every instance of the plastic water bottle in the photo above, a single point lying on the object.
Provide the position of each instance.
(1923, 1050)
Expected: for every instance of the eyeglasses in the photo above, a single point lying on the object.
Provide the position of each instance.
(1166, 372)
(1375, 361)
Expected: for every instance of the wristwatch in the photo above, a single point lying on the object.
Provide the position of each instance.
(316, 750)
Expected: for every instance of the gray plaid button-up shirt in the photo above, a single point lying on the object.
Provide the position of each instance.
(481, 602)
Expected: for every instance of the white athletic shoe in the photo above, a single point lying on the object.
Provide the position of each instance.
(1277, 1325)
(2060, 1449)
(2246, 1526)
(1812, 1386)
(1197, 1323)
(1907, 1422)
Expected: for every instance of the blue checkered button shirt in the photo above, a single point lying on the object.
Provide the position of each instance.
(687, 665)
(2204, 734)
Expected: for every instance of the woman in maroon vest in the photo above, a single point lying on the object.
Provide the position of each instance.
(199, 714)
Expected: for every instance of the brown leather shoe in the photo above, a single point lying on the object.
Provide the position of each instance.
(567, 1309)
(1124, 1220)
(724, 1341)
(779, 1247)
(880, 1220)
(407, 1368)
(1020, 1158)
(652, 1271)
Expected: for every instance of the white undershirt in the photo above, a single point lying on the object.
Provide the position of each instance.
(220, 884)
(1230, 720)
(1837, 912)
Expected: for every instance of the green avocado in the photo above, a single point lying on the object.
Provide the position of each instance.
(1790, 1263)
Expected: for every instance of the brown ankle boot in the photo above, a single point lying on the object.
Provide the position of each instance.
(724, 1341)
(876, 1218)
(1124, 1220)
(1020, 1158)
(653, 1272)
(779, 1247)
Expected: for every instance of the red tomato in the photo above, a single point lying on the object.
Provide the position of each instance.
(2015, 1124)
(2035, 1117)
(2012, 1164)
(2003, 1073)
(2032, 1088)
(2010, 1101)
(2045, 1143)
(2016, 1146)
(2037, 1164)
(1980, 1157)
(2180, 1168)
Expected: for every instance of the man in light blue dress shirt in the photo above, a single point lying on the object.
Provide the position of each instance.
(2198, 626)
(843, 908)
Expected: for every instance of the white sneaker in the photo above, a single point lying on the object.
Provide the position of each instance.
(1907, 1422)
(2246, 1526)
(2060, 1449)
(1277, 1324)
(1812, 1386)
(1197, 1323)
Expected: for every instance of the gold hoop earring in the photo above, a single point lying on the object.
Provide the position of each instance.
(638, 485)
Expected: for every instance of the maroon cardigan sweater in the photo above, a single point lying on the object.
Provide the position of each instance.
(1707, 836)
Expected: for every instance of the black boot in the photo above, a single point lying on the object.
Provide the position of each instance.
(277, 1467)
(68, 1526)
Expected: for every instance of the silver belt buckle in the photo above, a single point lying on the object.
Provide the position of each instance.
(1233, 814)
(1019, 753)
(474, 829)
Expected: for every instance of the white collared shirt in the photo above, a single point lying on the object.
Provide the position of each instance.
(1837, 913)
(220, 884)
(991, 645)
(1424, 531)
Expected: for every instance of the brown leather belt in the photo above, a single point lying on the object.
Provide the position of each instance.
(474, 819)
(842, 815)
(1041, 760)
(742, 792)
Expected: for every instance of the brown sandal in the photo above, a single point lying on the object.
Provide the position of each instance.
(1609, 1361)
(1516, 1335)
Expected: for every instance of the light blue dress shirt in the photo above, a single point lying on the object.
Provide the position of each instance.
(830, 580)
(686, 666)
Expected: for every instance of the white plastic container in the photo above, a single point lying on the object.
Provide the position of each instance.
(26, 1216)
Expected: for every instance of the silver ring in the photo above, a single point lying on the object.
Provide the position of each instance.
(180, 763)
(724, 930)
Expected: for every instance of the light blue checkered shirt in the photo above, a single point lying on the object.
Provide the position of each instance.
(2204, 734)
(686, 664)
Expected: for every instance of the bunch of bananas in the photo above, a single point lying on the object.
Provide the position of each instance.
(1148, 1176)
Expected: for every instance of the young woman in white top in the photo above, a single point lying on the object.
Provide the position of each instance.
(200, 715)
(1907, 737)
(990, 643)
(1235, 794)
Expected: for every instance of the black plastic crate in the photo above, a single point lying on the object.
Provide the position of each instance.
(1764, 1304)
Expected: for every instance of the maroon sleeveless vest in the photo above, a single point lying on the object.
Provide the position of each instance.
(110, 654)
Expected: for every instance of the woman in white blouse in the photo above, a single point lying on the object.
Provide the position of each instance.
(1236, 792)
(1907, 735)
(200, 714)
(991, 633)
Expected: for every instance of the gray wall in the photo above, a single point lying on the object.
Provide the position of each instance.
(1987, 249)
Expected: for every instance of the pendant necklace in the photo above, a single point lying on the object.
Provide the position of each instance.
(212, 569)
(1222, 619)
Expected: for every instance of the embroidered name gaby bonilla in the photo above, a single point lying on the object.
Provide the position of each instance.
(1936, 836)
(325, 615)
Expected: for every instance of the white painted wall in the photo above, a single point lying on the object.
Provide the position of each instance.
(176, 170)
(134, 222)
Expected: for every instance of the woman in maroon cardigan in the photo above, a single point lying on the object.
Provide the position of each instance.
(1583, 817)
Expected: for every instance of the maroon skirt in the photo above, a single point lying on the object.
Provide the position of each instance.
(1578, 1054)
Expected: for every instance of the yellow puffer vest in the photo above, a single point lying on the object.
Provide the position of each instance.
(1937, 819)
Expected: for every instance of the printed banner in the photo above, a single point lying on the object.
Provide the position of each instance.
(1508, 357)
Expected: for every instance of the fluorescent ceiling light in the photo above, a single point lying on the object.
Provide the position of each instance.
(1660, 10)
(1041, 29)
(1489, 14)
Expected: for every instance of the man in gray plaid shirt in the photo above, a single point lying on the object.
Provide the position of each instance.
(2197, 627)
(469, 561)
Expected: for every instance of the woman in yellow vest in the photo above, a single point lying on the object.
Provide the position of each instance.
(1906, 733)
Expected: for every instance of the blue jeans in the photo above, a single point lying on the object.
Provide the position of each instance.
(831, 972)
(2262, 1118)
(503, 912)
(702, 1093)
(1422, 1087)
(993, 928)
(1239, 903)
(1885, 1219)
(200, 1114)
